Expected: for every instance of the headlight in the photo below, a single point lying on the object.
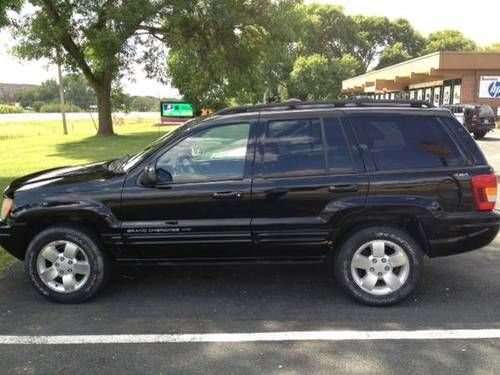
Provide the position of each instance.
(6, 208)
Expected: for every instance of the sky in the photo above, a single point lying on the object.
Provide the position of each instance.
(478, 20)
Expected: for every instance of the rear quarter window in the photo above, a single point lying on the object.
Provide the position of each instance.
(486, 111)
(400, 141)
(466, 140)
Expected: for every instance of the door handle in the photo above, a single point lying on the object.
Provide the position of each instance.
(228, 195)
(349, 188)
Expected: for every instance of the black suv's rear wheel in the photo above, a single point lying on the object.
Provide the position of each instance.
(66, 264)
(379, 265)
(479, 134)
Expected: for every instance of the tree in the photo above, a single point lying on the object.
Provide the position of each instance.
(375, 34)
(95, 37)
(5, 6)
(144, 104)
(327, 31)
(230, 51)
(78, 92)
(316, 77)
(412, 42)
(47, 92)
(393, 55)
(495, 47)
(448, 40)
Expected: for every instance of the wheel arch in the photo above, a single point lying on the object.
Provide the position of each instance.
(406, 222)
(78, 219)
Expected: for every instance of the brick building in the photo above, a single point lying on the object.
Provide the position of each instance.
(441, 78)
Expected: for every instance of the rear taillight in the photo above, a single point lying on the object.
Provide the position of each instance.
(475, 118)
(484, 188)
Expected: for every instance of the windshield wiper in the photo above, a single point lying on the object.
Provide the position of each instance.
(117, 165)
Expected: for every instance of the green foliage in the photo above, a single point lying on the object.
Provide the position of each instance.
(78, 92)
(37, 105)
(448, 40)
(95, 37)
(495, 47)
(221, 50)
(393, 55)
(316, 77)
(56, 107)
(412, 42)
(80, 96)
(226, 52)
(5, 109)
(144, 104)
(47, 92)
(5, 6)
(326, 30)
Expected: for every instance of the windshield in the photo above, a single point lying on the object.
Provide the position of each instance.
(130, 162)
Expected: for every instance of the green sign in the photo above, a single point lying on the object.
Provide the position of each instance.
(176, 109)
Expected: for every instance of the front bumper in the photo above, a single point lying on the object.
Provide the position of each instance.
(7, 241)
(456, 233)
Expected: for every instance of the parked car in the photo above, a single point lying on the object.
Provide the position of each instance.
(479, 119)
(373, 185)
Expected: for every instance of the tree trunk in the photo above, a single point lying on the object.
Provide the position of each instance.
(103, 93)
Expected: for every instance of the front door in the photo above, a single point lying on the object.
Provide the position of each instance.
(307, 173)
(202, 207)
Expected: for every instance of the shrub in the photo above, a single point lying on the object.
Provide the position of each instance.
(4, 109)
(56, 107)
(37, 105)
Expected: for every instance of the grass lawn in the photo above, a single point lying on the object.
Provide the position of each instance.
(31, 146)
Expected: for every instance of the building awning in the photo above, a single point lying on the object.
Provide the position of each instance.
(438, 66)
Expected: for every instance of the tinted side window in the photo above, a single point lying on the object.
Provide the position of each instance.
(339, 155)
(486, 111)
(294, 147)
(217, 153)
(407, 141)
(466, 139)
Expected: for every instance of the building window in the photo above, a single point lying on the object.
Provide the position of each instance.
(457, 93)
(428, 94)
(437, 96)
(447, 95)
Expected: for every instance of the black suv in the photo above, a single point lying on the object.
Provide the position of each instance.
(372, 185)
(479, 119)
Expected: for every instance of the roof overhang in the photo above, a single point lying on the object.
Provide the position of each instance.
(434, 67)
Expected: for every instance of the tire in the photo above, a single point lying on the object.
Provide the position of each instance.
(72, 262)
(402, 260)
(479, 135)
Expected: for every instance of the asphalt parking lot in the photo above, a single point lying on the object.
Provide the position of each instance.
(458, 293)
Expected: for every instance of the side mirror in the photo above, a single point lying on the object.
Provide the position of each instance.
(149, 177)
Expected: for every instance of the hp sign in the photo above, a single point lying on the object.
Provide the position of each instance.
(494, 89)
(489, 87)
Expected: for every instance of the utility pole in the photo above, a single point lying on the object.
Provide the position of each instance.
(61, 97)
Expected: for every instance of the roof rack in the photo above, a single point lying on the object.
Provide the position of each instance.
(291, 105)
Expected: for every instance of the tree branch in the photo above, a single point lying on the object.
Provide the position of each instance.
(68, 43)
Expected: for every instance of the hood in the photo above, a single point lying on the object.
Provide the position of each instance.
(61, 176)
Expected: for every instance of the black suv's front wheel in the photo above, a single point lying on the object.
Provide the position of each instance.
(66, 264)
(379, 265)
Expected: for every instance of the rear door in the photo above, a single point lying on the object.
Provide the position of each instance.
(306, 172)
(415, 161)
